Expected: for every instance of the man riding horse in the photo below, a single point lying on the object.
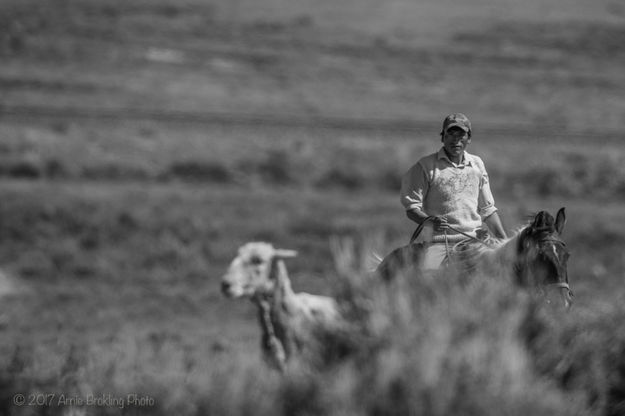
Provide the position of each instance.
(448, 194)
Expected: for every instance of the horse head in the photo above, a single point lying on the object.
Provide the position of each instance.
(543, 256)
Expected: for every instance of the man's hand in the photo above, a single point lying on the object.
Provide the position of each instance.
(440, 223)
(418, 216)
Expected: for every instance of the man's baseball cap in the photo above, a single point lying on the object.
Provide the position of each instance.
(457, 120)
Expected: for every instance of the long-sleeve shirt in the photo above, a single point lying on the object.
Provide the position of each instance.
(460, 192)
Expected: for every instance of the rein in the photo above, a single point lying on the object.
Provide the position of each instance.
(430, 218)
(416, 232)
(470, 237)
(447, 249)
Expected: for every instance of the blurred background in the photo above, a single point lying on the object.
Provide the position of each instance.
(143, 141)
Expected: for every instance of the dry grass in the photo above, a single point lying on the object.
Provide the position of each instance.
(114, 231)
(474, 346)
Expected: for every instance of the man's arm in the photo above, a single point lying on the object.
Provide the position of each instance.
(486, 205)
(419, 216)
(495, 226)
(416, 215)
(414, 187)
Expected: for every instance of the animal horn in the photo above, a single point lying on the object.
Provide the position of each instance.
(284, 254)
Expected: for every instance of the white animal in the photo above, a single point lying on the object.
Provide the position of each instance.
(288, 320)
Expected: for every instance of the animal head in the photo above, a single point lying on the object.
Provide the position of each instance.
(543, 255)
(252, 273)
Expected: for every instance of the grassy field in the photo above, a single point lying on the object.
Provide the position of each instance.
(126, 192)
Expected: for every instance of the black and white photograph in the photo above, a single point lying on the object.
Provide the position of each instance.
(312, 207)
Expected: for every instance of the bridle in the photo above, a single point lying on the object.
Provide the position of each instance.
(559, 285)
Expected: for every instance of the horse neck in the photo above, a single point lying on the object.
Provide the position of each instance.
(508, 251)
(502, 257)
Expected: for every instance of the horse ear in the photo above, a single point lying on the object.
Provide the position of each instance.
(560, 220)
(284, 254)
(541, 220)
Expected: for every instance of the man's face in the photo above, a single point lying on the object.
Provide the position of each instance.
(455, 141)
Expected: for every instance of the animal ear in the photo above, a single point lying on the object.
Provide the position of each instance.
(284, 254)
(560, 220)
(540, 220)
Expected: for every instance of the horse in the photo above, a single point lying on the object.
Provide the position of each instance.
(535, 257)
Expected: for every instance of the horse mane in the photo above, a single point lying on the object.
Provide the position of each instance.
(492, 257)
(497, 256)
